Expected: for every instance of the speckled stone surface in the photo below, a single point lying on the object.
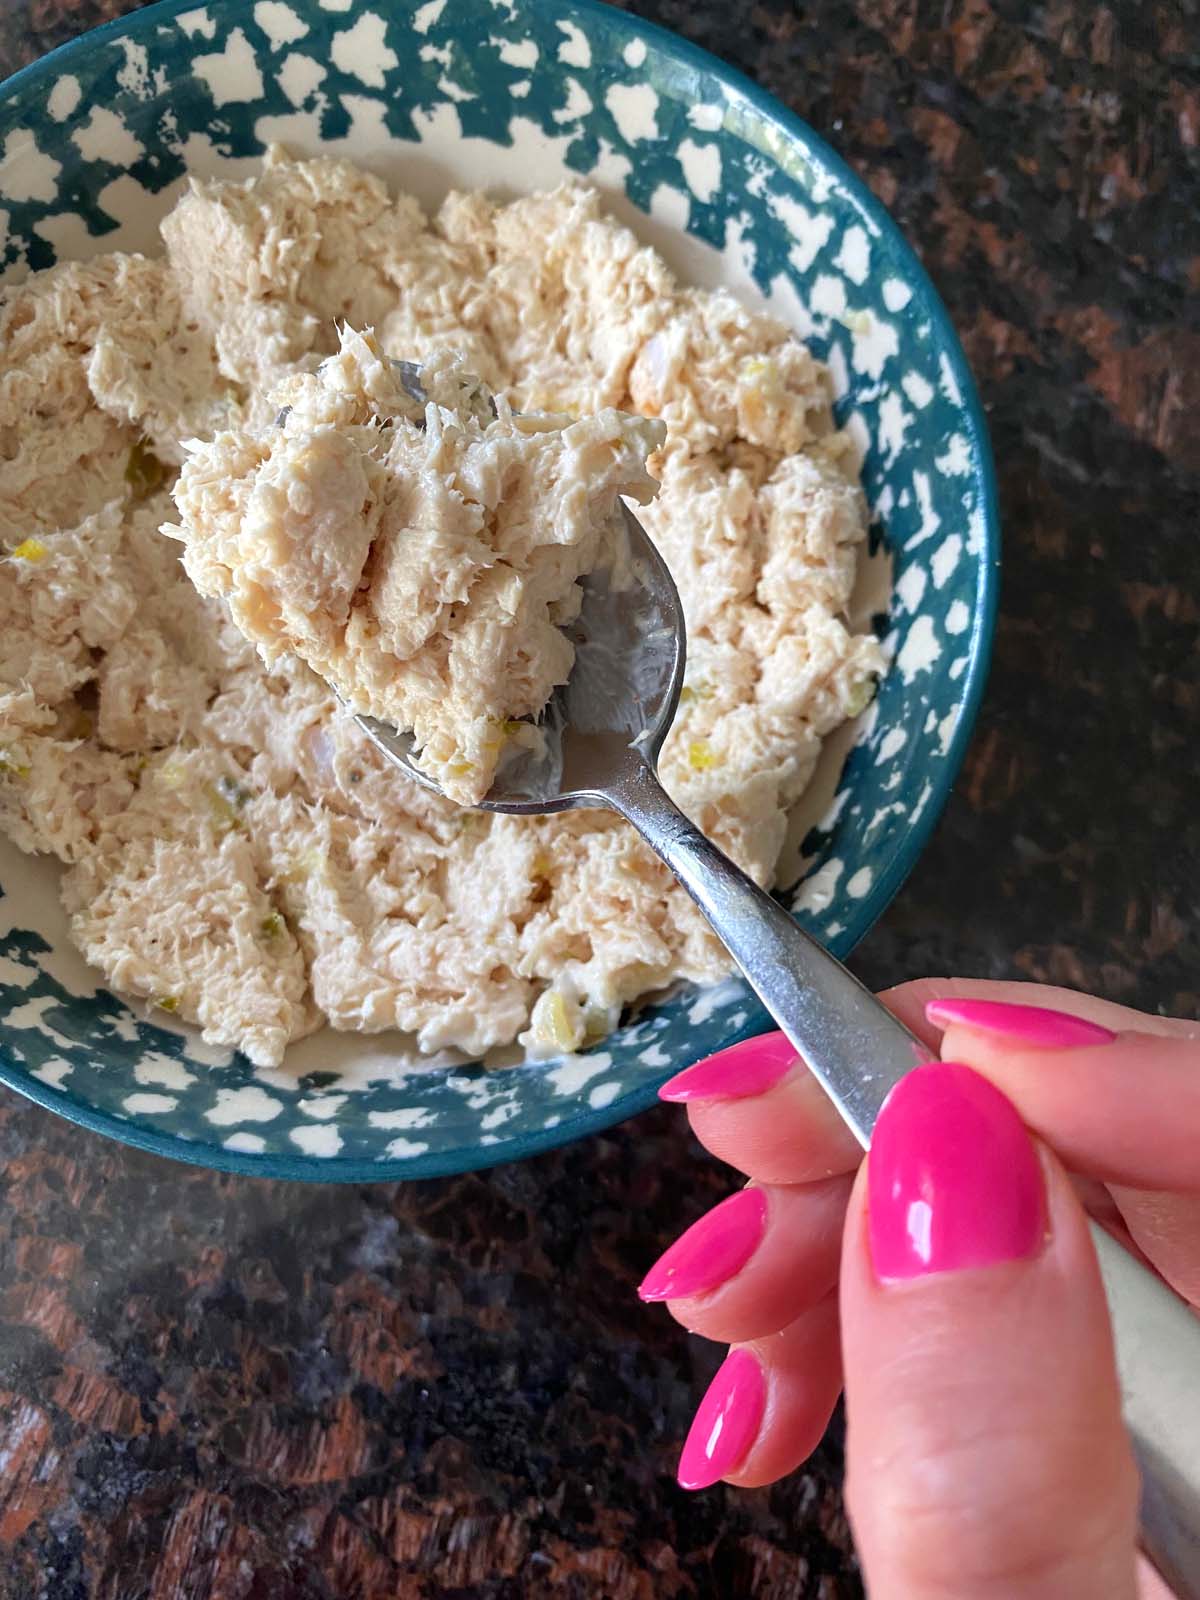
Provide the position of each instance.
(212, 1387)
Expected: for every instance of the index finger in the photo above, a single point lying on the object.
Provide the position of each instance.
(1122, 1117)
(757, 1107)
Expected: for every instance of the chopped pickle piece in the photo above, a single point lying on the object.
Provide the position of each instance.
(232, 792)
(305, 865)
(166, 1002)
(10, 767)
(860, 697)
(225, 800)
(552, 1022)
(172, 774)
(271, 926)
(597, 1024)
(144, 472)
(222, 813)
(702, 756)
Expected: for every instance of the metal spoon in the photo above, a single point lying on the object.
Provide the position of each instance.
(604, 731)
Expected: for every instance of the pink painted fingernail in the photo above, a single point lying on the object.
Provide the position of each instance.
(726, 1422)
(711, 1251)
(953, 1178)
(745, 1069)
(1037, 1026)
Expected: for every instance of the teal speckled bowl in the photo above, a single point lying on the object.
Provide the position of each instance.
(516, 94)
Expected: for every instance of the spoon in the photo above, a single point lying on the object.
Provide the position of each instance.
(604, 730)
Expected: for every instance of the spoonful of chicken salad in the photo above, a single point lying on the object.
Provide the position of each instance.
(418, 544)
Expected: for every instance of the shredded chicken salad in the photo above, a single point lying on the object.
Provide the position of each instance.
(235, 853)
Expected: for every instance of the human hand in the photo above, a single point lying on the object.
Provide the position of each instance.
(985, 1450)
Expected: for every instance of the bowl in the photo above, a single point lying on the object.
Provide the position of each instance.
(732, 189)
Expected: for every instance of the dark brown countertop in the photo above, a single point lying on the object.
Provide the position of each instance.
(212, 1387)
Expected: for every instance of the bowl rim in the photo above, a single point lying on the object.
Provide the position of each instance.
(865, 913)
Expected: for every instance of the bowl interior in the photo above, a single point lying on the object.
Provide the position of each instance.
(512, 95)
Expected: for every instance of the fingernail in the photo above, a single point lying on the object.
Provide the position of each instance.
(745, 1069)
(953, 1178)
(726, 1422)
(711, 1250)
(1037, 1026)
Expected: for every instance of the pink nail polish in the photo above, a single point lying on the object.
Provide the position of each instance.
(953, 1178)
(711, 1250)
(745, 1069)
(1037, 1026)
(726, 1422)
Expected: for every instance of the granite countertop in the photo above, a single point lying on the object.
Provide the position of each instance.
(215, 1387)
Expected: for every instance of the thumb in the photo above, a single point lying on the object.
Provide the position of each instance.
(986, 1457)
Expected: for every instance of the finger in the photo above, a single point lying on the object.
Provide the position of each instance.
(757, 1108)
(1166, 1229)
(1124, 1110)
(1130, 1118)
(755, 1263)
(908, 1001)
(1149, 1585)
(985, 1452)
(768, 1406)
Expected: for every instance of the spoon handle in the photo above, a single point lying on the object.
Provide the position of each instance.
(858, 1050)
(851, 1043)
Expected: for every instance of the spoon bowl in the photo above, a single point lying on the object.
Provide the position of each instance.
(617, 706)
